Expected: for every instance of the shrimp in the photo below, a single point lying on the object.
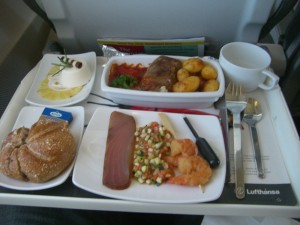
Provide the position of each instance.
(171, 160)
(180, 147)
(194, 171)
(184, 147)
(193, 179)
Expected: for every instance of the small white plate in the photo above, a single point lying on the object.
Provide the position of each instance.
(88, 169)
(46, 64)
(27, 117)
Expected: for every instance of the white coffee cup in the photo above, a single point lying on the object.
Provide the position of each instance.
(247, 64)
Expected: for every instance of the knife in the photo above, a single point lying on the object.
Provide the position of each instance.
(203, 147)
(223, 117)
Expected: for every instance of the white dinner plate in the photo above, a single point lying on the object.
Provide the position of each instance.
(88, 169)
(27, 117)
(46, 64)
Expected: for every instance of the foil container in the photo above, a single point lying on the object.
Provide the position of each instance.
(109, 52)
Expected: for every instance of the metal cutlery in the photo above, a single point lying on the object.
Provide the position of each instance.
(223, 117)
(236, 103)
(252, 115)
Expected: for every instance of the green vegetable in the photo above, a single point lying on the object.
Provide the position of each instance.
(65, 62)
(124, 81)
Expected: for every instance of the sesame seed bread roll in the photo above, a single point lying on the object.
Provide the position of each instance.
(46, 152)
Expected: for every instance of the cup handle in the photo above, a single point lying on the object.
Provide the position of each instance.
(271, 80)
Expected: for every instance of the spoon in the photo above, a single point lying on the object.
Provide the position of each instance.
(252, 115)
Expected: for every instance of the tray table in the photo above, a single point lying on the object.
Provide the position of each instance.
(68, 195)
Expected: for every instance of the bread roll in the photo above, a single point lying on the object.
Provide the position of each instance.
(40, 154)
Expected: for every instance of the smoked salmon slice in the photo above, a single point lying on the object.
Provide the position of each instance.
(119, 151)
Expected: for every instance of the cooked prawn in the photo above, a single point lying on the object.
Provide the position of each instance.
(193, 179)
(194, 171)
(180, 147)
(171, 160)
(184, 147)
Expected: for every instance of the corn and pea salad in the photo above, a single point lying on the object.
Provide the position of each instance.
(152, 145)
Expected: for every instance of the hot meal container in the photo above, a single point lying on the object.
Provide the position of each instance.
(160, 99)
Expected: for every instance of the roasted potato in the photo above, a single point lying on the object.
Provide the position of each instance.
(210, 85)
(189, 84)
(182, 74)
(193, 65)
(209, 73)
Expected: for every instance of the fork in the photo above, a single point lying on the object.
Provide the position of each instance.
(236, 102)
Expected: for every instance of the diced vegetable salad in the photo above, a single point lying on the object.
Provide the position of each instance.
(152, 145)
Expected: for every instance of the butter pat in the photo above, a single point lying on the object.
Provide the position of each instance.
(56, 115)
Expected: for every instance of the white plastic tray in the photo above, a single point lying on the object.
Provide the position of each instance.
(282, 124)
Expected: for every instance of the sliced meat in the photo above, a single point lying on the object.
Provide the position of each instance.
(161, 73)
(119, 151)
